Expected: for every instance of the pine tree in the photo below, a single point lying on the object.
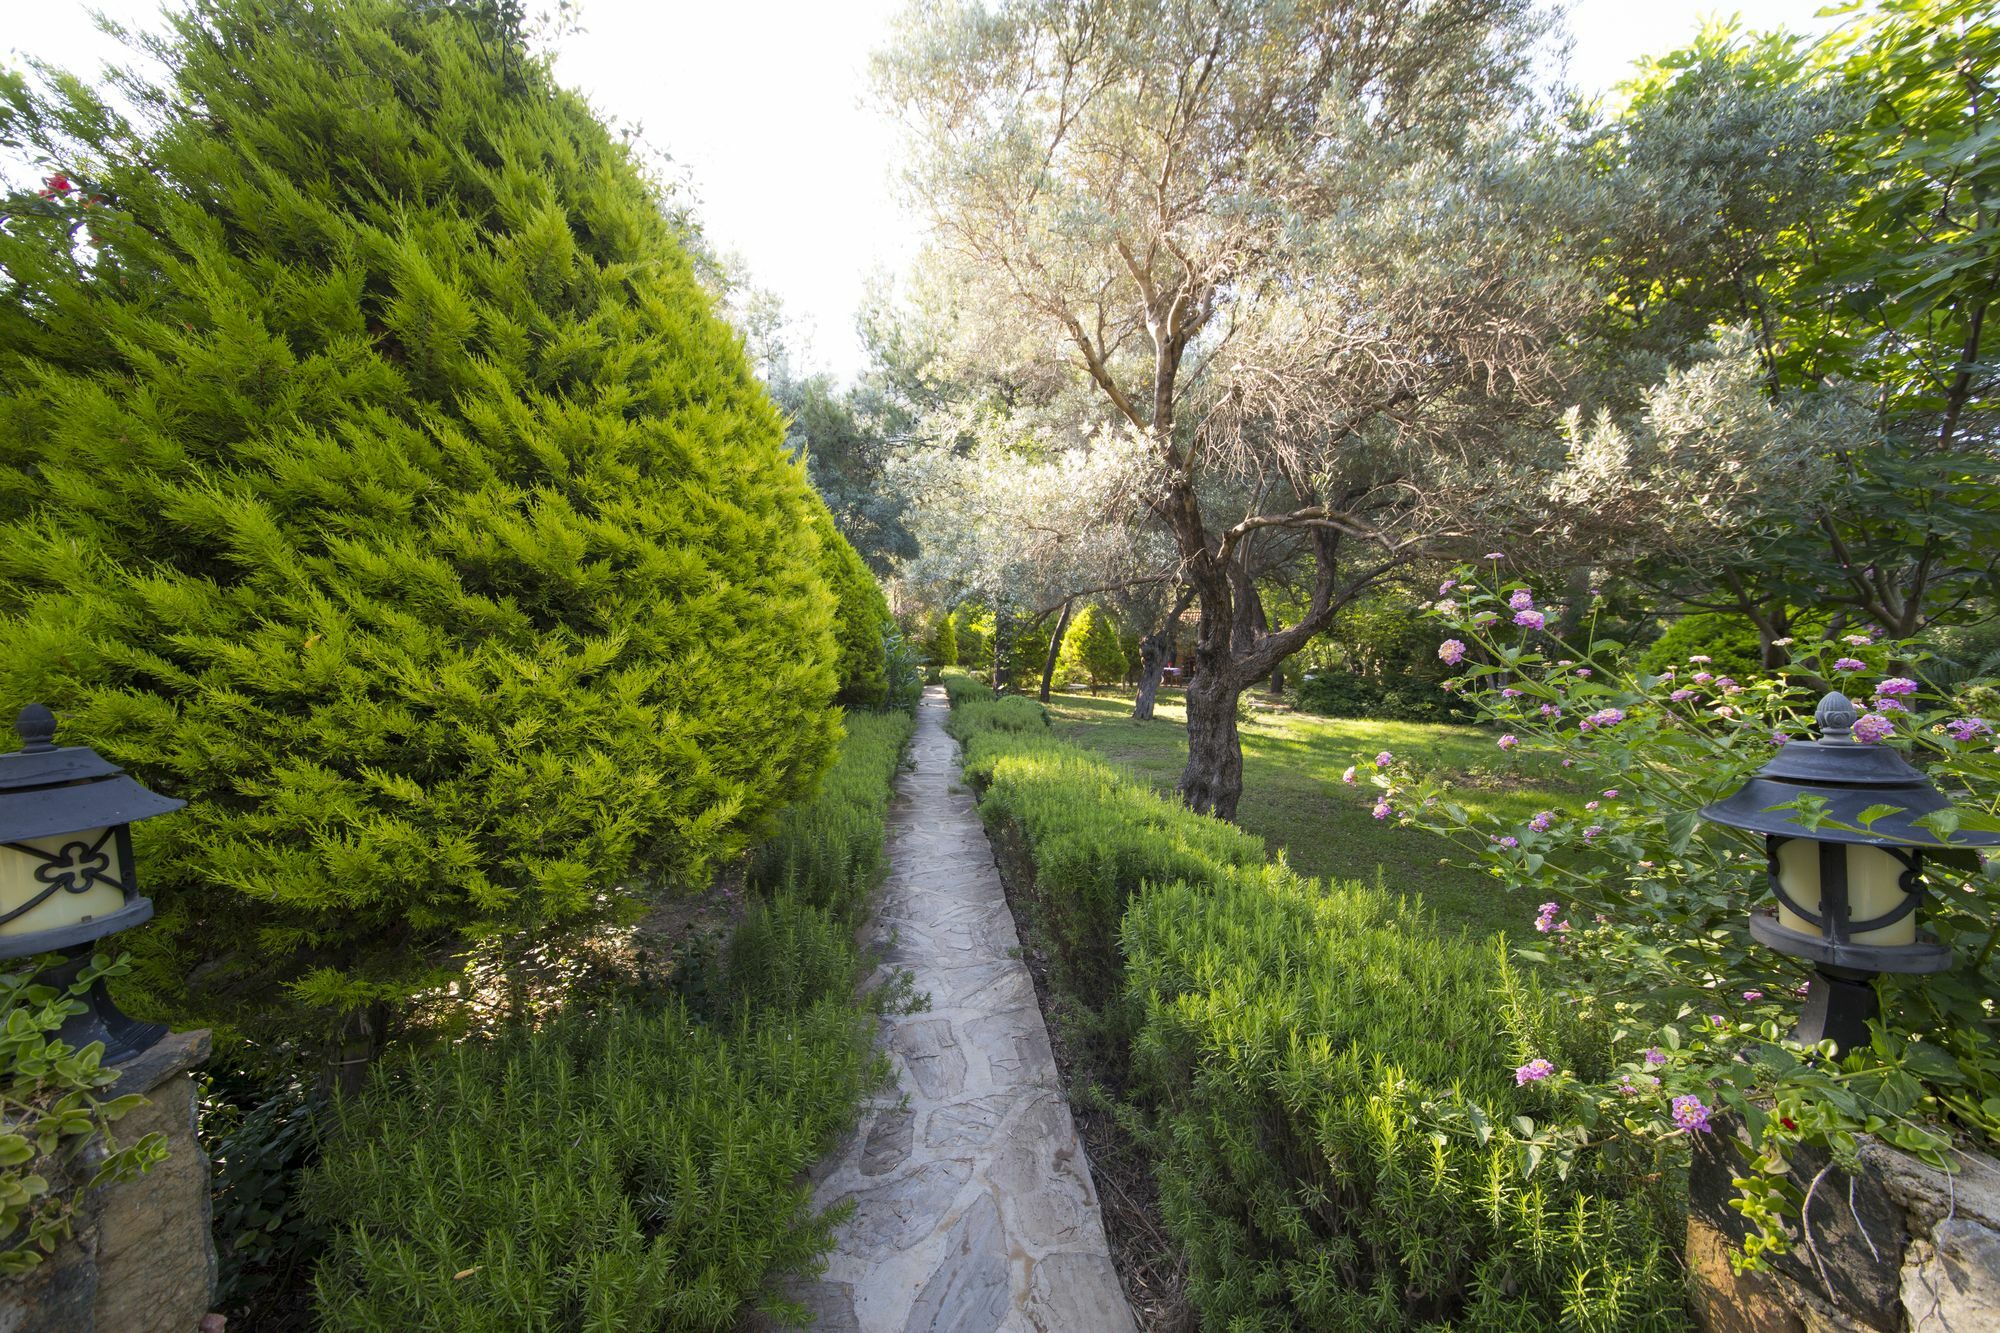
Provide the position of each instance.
(379, 478)
(1099, 654)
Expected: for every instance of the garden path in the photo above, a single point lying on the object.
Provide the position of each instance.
(974, 1205)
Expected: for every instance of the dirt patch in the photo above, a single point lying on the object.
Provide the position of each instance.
(1148, 1262)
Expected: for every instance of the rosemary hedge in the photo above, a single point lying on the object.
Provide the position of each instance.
(639, 1166)
(379, 477)
(1314, 1070)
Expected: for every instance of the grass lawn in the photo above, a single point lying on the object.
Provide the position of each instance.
(1293, 796)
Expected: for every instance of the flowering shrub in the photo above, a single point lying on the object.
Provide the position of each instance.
(1644, 908)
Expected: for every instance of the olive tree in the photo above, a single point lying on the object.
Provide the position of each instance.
(1301, 254)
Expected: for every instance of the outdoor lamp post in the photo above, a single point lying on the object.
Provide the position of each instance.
(1847, 898)
(66, 873)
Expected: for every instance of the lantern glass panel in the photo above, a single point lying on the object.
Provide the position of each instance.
(61, 880)
(1874, 886)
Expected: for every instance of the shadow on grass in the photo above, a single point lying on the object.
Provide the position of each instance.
(1294, 799)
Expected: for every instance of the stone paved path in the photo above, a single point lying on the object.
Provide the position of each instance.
(975, 1211)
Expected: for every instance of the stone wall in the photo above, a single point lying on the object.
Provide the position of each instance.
(1899, 1247)
(142, 1259)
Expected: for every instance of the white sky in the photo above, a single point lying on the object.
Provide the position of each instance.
(761, 102)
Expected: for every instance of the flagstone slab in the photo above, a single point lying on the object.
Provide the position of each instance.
(974, 1208)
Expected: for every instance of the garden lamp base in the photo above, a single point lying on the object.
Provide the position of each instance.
(123, 1036)
(1837, 1009)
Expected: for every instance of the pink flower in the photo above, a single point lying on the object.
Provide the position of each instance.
(1681, 696)
(1382, 808)
(1452, 652)
(1509, 741)
(1702, 677)
(1727, 686)
(1447, 586)
(1530, 619)
(1849, 664)
(1896, 686)
(1540, 823)
(1522, 600)
(1872, 727)
(1584, 672)
(1655, 1056)
(1496, 555)
(1551, 711)
(1610, 793)
(1717, 1020)
(1700, 658)
(1965, 728)
(1607, 717)
(1348, 776)
(1590, 834)
(1508, 841)
(1690, 1114)
(1568, 762)
(1545, 920)
(1383, 759)
(1510, 693)
(1533, 1072)
(1859, 640)
(1625, 1086)
(1447, 606)
(1486, 617)
(1753, 995)
(1780, 738)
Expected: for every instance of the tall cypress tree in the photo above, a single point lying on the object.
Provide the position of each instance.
(378, 476)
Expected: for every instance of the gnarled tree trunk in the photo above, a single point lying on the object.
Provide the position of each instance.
(1055, 649)
(1154, 650)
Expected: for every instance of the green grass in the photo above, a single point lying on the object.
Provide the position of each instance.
(1293, 796)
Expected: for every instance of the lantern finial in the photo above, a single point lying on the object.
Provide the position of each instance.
(1835, 716)
(36, 727)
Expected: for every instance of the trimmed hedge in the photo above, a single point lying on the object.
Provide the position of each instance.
(1314, 1070)
(635, 1166)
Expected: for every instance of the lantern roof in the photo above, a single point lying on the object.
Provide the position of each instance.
(1850, 776)
(47, 789)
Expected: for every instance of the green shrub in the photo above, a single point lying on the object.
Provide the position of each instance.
(1100, 653)
(624, 1169)
(828, 851)
(962, 687)
(944, 642)
(1331, 692)
(638, 1167)
(1729, 642)
(1322, 1059)
(1322, 1079)
(379, 477)
(1010, 712)
(860, 617)
(1094, 836)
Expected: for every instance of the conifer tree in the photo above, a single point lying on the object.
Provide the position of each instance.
(379, 478)
(1099, 653)
(944, 642)
(861, 616)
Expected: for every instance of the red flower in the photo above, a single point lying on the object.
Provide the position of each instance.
(59, 183)
(1788, 1122)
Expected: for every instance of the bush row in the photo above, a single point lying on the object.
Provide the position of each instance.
(637, 1164)
(1316, 1069)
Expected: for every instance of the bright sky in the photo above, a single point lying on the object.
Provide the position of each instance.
(762, 103)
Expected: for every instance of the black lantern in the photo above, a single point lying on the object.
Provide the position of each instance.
(1847, 898)
(66, 873)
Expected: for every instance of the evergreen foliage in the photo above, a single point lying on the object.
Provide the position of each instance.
(1729, 642)
(944, 642)
(861, 617)
(1319, 1075)
(380, 480)
(640, 1166)
(625, 1169)
(1098, 649)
